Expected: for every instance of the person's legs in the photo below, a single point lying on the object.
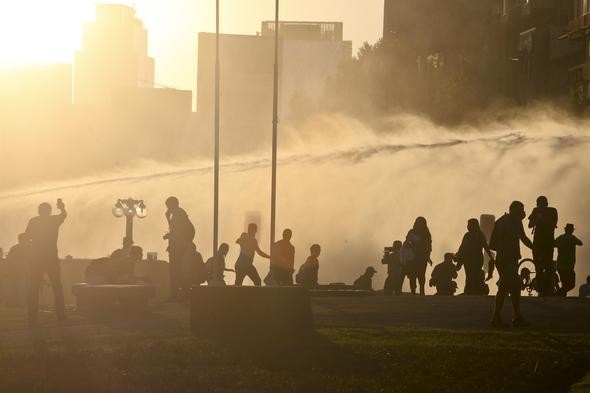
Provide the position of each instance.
(499, 304)
(252, 273)
(469, 279)
(388, 286)
(240, 275)
(422, 277)
(35, 277)
(175, 269)
(54, 274)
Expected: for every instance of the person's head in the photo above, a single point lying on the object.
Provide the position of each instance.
(127, 242)
(473, 225)
(252, 228)
(569, 228)
(223, 249)
(517, 210)
(370, 271)
(136, 253)
(449, 257)
(542, 201)
(172, 203)
(44, 209)
(397, 245)
(420, 225)
(22, 238)
(287, 234)
(315, 250)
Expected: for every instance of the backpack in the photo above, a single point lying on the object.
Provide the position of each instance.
(407, 254)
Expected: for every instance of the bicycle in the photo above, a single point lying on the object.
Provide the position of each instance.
(528, 279)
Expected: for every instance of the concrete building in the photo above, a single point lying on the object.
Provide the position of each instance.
(309, 54)
(440, 49)
(535, 58)
(114, 55)
(579, 32)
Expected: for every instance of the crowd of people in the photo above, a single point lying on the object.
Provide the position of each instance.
(406, 259)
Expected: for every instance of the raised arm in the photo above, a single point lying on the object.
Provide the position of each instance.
(62, 210)
(578, 241)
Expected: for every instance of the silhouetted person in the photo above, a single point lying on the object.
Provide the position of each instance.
(308, 272)
(118, 268)
(543, 221)
(17, 263)
(392, 258)
(443, 276)
(566, 259)
(195, 265)
(406, 259)
(506, 237)
(43, 232)
(365, 281)
(180, 238)
(585, 289)
(216, 267)
(245, 263)
(282, 261)
(421, 242)
(470, 255)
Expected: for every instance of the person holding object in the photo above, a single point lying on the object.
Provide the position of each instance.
(42, 232)
(470, 256)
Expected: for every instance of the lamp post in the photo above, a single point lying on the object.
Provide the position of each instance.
(275, 126)
(216, 136)
(129, 208)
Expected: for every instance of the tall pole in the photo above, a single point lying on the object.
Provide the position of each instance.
(275, 124)
(216, 165)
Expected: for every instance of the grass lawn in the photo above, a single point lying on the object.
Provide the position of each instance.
(336, 360)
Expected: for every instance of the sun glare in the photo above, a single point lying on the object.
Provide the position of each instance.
(40, 31)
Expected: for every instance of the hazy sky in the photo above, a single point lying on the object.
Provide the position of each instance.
(48, 31)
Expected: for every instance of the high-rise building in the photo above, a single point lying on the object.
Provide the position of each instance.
(114, 55)
(310, 53)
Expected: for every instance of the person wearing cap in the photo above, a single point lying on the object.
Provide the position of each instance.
(365, 281)
(566, 259)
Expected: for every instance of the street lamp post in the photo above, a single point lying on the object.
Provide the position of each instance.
(275, 125)
(216, 136)
(129, 208)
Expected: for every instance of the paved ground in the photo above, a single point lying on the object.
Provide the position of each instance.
(461, 313)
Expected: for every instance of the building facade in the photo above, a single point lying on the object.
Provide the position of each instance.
(579, 33)
(309, 54)
(114, 54)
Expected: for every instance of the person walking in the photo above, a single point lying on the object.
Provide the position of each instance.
(470, 256)
(180, 236)
(245, 263)
(43, 232)
(566, 259)
(506, 237)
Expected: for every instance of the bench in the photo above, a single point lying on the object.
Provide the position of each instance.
(110, 297)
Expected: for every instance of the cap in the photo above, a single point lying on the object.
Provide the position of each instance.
(569, 226)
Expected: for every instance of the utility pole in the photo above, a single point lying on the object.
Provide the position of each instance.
(216, 138)
(275, 124)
